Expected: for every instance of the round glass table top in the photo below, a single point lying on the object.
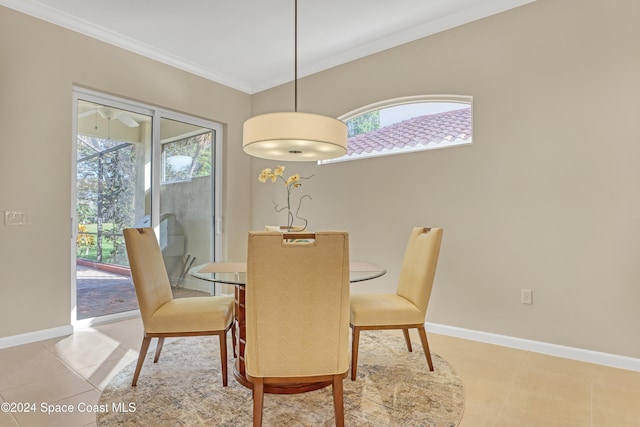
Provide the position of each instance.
(235, 273)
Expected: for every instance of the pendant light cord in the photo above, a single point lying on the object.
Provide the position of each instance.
(295, 58)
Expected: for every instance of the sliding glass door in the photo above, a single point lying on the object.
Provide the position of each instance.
(136, 166)
(186, 204)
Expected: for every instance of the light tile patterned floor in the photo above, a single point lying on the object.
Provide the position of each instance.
(504, 386)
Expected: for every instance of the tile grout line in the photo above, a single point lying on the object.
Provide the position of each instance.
(591, 367)
(511, 388)
(70, 368)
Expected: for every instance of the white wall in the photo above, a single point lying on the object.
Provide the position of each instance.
(40, 65)
(546, 198)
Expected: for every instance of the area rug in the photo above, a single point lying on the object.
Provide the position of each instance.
(393, 388)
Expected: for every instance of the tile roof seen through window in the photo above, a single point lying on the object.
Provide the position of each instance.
(421, 132)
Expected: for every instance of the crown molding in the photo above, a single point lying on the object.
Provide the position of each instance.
(73, 23)
(482, 10)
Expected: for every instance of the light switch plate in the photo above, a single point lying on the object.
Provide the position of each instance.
(17, 217)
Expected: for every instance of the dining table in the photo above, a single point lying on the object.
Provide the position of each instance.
(234, 273)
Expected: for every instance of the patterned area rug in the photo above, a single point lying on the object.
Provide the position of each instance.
(393, 388)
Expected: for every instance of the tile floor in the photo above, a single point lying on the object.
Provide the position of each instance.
(504, 387)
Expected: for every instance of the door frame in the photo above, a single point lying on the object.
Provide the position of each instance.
(156, 113)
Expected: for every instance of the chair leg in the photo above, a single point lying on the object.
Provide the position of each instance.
(354, 351)
(143, 353)
(407, 339)
(223, 356)
(338, 400)
(258, 398)
(425, 346)
(233, 340)
(158, 349)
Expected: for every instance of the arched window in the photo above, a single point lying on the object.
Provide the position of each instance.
(409, 124)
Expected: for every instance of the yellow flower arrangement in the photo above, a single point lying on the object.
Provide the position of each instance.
(290, 183)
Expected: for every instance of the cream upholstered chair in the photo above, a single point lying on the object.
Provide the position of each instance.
(407, 308)
(297, 313)
(163, 316)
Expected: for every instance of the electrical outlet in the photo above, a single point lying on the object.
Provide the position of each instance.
(526, 296)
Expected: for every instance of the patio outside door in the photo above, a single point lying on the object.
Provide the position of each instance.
(139, 167)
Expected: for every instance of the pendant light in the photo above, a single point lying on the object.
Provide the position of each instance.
(294, 136)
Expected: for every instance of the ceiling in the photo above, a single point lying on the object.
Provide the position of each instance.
(249, 44)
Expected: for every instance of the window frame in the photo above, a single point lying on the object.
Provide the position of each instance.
(394, 102)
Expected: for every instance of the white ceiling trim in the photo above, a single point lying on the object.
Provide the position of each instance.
(429, 28)
(79, 25)
(74, 23)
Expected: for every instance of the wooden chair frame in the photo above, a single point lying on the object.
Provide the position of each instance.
(414, 286)
(335, 381)
(146, 341)
(355, 339)
(153, 291)
(303, 383)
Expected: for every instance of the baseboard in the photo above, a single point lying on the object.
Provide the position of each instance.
(62, 331)
(108, 318)
(599, 358)
(590, 356)
(29, 337)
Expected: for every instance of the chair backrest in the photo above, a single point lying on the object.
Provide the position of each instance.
(419, 266)
(297, 304)
(148, 271)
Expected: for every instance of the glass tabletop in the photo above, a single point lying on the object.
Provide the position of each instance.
(234, 273)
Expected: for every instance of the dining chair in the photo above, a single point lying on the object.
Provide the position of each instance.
(162, 315)
(407, 307)
(297, 313)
